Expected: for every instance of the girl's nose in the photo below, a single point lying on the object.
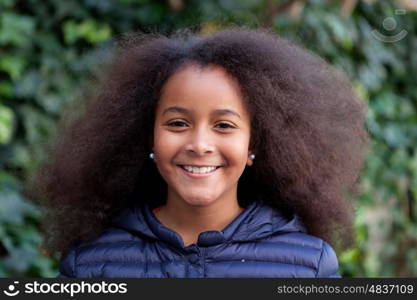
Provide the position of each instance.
(200, 142)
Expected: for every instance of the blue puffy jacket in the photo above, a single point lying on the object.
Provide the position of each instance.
(259, 243)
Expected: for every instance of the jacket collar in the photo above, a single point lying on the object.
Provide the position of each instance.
(257, 221)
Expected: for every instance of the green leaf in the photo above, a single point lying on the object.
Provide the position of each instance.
(6, 89)
(14, 207)
(13, 65)
(37, 126)
(88, 30)
(21, 157)
(6, 124)
(28, 85)
(16, 29)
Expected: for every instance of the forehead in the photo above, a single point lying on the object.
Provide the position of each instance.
(198, 88)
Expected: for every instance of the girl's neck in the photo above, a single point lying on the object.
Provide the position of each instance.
(189, 221)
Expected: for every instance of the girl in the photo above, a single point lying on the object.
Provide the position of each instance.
(227, 155)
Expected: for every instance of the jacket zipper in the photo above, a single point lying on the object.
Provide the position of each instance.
(203, 260)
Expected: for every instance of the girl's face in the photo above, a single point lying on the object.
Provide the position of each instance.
(201, 136)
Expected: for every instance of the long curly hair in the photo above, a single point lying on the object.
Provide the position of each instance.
(307, 128)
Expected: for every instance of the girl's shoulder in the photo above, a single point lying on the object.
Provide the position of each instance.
(309, 251)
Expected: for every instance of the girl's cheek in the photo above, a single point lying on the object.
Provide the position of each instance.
(238, 144)
(166, 138)
(172, 142)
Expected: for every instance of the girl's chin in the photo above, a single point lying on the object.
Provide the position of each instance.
(198, 200)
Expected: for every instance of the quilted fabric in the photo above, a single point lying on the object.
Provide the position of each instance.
(259, 243)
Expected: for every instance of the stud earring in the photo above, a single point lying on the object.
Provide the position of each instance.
(252, 156)
(152, 155)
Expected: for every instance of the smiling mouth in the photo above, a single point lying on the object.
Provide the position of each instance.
(199, 170)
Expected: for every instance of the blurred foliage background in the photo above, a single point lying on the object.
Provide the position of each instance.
(48, 48)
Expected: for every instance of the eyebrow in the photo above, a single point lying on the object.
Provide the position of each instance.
(218, 112)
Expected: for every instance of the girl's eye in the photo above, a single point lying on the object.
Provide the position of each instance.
(183, 124)
(225, 126)
(177, 124)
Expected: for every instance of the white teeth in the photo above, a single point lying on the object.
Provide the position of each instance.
(199, 170)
